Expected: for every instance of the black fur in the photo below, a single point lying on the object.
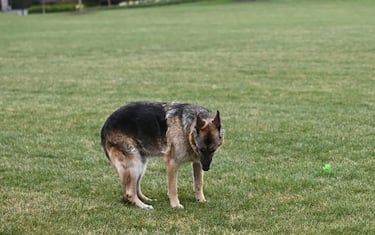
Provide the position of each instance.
(139, 120)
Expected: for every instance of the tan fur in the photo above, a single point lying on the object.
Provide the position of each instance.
(181, 144)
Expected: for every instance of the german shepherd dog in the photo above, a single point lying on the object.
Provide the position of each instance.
(181, 132)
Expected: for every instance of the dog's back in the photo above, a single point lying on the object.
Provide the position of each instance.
(142, 122)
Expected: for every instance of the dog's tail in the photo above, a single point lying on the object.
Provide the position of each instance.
(103, 140)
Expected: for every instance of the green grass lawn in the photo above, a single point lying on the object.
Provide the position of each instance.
(294, 81)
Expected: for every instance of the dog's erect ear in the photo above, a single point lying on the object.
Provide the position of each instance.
(200, 123)
(217, 121)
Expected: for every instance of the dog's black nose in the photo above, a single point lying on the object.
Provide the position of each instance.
(206, 161)
(205, 168)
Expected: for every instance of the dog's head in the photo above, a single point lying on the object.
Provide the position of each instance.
(208, 137)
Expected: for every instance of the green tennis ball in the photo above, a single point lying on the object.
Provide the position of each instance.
(327, 168)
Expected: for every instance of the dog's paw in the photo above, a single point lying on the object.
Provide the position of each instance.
(148, 207)
(142, 205)
(200, 197)
(201, 200)
(178, 206)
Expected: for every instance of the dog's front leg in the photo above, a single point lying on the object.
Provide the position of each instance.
(198, 182)
(172, 168)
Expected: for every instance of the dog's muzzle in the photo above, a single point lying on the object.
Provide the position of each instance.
(206, 161)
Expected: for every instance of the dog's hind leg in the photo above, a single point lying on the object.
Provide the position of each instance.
(130, 169)
(139, 191)
(198, 182)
